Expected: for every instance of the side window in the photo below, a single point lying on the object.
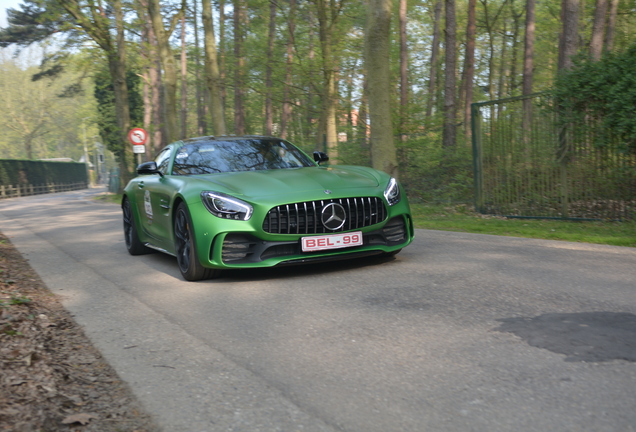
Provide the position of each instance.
(163, 159)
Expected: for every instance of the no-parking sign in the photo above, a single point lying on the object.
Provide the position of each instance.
(138, 137)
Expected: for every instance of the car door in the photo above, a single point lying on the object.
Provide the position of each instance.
(153, 199)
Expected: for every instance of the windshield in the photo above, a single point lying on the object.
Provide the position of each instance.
(208, 157)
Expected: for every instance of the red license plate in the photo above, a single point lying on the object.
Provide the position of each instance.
(331, 241)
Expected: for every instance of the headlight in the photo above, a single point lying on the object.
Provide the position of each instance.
(225, 206)
(392, 192)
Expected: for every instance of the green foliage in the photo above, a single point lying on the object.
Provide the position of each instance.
(434, 174)
(107, 119)
(15, 172)
(604, 91)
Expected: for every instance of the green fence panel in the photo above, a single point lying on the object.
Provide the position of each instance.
(528, 164)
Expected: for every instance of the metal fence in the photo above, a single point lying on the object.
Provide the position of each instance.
(20, 190)
(528, 163)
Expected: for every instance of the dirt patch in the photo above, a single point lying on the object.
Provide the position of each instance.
(51, 377)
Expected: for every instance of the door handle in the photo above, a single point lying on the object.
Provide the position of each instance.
(140, 185)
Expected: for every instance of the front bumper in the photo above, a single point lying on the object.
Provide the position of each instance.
(236, 250)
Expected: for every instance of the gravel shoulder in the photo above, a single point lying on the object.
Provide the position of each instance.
(51, 377)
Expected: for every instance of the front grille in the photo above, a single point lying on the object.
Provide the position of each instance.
(304, 217)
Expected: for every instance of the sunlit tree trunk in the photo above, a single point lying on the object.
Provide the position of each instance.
(377, 49)
(212, 74)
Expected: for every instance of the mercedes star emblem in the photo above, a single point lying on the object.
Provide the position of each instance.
(333, 216)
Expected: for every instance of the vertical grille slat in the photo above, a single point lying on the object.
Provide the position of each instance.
(305, 217)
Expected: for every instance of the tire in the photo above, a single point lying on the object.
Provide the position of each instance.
(134, 246)
(187, 258)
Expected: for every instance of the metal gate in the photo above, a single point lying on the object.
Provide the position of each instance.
(527, 164)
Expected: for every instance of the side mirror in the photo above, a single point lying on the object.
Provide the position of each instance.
(148, 168)
(320, 157)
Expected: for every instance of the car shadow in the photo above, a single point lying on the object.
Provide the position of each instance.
(584, 336)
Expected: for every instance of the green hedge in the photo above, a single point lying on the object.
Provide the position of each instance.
(18, 172)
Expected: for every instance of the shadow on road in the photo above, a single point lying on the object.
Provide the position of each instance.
(585, 336)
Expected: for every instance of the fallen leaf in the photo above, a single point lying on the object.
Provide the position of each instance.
(83, 418)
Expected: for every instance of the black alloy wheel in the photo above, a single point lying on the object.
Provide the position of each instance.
(189, 265)
(134, 246)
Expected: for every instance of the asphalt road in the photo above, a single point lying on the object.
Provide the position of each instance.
(460, 332)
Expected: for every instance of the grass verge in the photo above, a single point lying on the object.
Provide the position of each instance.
(462, 218)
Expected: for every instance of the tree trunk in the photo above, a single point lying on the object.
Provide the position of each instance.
(184, 81)
(528, 65)
(327, 17)
(239, 66)
(117, 66)
(169, 67)
(201, 122)
(377, 49)
(449, 135)
(469, 65)
(146, 57)
(269, 108)
(611, 26)
(404, 80)
(212, 74)
(568, 39)
(516, 17)
(432, 80)
(287, 105)
(221, 46)
(598, 30)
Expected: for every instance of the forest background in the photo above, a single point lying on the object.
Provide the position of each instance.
(386, 83)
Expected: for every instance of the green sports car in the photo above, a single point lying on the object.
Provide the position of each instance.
(237, 202)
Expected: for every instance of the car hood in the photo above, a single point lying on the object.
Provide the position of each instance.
(291, 181)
